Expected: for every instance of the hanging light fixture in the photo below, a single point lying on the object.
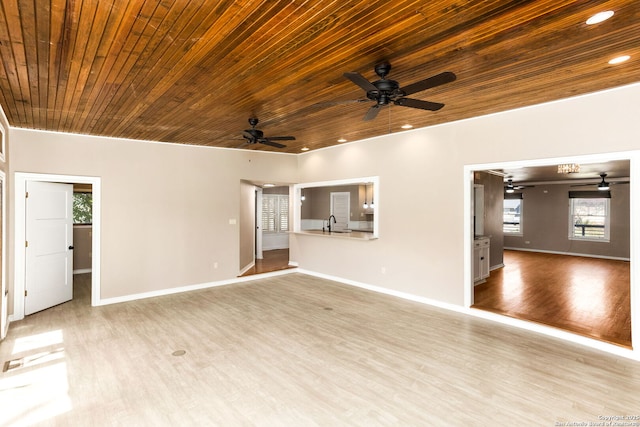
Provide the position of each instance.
(365, 205)
(302, 195)
(569, 168)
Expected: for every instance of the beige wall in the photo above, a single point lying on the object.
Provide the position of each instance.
(165, 208)
(421, 246)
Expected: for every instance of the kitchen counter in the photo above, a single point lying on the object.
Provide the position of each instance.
(353, 234)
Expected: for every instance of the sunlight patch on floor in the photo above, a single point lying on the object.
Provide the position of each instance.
(34, 386)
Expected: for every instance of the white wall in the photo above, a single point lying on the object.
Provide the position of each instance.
(165, 208)
(422, 241)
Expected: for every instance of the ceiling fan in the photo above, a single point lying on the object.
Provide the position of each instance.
(602, 185)
(385, 91)
(253, 136)
(510, 188)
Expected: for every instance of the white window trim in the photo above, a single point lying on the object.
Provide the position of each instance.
(607, 225)
(518, 233)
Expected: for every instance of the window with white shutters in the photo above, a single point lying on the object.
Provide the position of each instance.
(275, 213)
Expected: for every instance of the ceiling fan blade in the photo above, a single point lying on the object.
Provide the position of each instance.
(270, 143)
(417, 103)
(282, 138)
(372, 113)
(433, 81)
(358, 79)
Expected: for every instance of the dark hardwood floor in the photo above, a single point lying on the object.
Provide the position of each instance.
(274, 260)
(586, 296)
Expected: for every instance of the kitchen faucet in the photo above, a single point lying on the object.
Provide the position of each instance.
(329, 222)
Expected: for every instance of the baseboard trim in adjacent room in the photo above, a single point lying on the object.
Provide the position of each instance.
(568, 253)
(247, 268)
(82, 271)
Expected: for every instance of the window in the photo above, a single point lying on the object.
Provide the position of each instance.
(512, 216)
(589, 216)
(82, 208)
(275, 213)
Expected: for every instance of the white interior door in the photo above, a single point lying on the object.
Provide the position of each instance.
(49, 245)
(340, 208)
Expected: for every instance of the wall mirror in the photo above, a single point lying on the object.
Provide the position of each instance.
(343, 206)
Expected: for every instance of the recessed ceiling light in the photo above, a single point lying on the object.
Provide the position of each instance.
(600, 17)
(619, 59)
(304, 149)
(342, 140)
(407, 126)
(269, 185)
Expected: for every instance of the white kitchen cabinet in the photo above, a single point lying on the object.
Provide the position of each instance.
(481, 248)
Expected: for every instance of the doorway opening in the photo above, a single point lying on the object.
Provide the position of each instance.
(21, 182)
(264, 228)
(578, 300)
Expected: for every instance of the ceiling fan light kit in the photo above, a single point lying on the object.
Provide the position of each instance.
(603, 185)
(386, 91)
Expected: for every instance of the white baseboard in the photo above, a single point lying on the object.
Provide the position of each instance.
(247, 268)
(82, 271)
(170, 291)
(387, 291)
(568, 253)
(495, 267)
(520, 324)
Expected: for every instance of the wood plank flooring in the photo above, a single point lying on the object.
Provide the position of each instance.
(586, 296)
(274, 260)
(296, 350)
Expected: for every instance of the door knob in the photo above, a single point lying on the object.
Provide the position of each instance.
(70, 248)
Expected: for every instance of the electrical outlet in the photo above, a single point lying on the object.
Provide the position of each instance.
(215, 265)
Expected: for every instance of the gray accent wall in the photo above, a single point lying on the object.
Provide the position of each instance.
(545, 223)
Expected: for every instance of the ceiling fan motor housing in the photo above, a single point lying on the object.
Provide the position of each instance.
(387, 91)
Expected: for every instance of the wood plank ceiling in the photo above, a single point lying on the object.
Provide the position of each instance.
(194, 71)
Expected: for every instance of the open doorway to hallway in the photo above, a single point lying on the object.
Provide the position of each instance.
(273, 260)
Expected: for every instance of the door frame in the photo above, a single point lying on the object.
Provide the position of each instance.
(4, 323)
(634, 241)
(21, 179)
(257, 253)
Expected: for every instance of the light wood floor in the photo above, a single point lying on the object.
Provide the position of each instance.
(295, 350)
(586, 296)
(274, 260)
